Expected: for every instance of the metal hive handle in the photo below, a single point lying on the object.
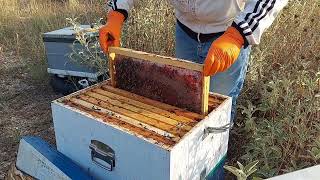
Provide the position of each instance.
(102, 155)
(216, 130)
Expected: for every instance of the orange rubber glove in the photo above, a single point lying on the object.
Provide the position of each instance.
(223, 52)
(109, 34)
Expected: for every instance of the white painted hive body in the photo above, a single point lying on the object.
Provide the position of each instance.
(115, 135)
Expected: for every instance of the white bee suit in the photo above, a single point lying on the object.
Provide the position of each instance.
(250, 17)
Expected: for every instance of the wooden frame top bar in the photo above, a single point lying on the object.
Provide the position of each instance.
(157, 58)
(150, 119)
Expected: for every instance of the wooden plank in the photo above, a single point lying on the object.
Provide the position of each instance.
(139, 111)
(129, 120)
(136, 129)
(206, 151)
(135, 157)
(177, 131)
(205, 94)
(167, 107)
(215, 99)
(111, 69)
(213, 104)
(157, 58)
(146, 106)
(218, 97)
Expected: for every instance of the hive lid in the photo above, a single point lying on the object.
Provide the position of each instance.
(65, 34)
(156, 122)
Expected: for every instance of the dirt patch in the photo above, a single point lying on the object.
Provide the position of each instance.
(24, 109)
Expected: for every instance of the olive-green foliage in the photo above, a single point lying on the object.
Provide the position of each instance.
(280, 102)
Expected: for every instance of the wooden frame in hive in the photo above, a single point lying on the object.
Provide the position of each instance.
(163, 123)
(170, 80)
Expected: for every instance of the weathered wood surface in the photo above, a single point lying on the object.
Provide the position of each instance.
(164, 60)
(143, 149)
(135, 157)
(205, 95)
(152, 119)
(204, 151)
(158, 104)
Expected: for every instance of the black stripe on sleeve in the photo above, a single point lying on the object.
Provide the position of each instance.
(260, 12)
(115, 4)
(248, 33)
(244, 28)
(267, 11)
(248, 14)
(242, 22)
(254, 11)
(235, 25)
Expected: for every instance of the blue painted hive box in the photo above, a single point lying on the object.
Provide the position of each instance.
(59, 45)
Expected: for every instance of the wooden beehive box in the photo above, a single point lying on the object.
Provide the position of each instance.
(153, 120)
(115, 134)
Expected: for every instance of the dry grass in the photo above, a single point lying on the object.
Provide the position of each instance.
(151, 30)
(22, 23)
(25, 95)
(280, 104)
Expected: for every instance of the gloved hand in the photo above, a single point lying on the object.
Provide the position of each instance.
(223, 52)
(109, 34)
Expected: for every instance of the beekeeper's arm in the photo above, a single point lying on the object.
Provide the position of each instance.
(109, 34)
(246, 29)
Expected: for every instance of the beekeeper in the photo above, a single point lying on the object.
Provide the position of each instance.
(218, 33)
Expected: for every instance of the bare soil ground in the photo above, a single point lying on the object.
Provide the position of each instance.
(24, 108)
